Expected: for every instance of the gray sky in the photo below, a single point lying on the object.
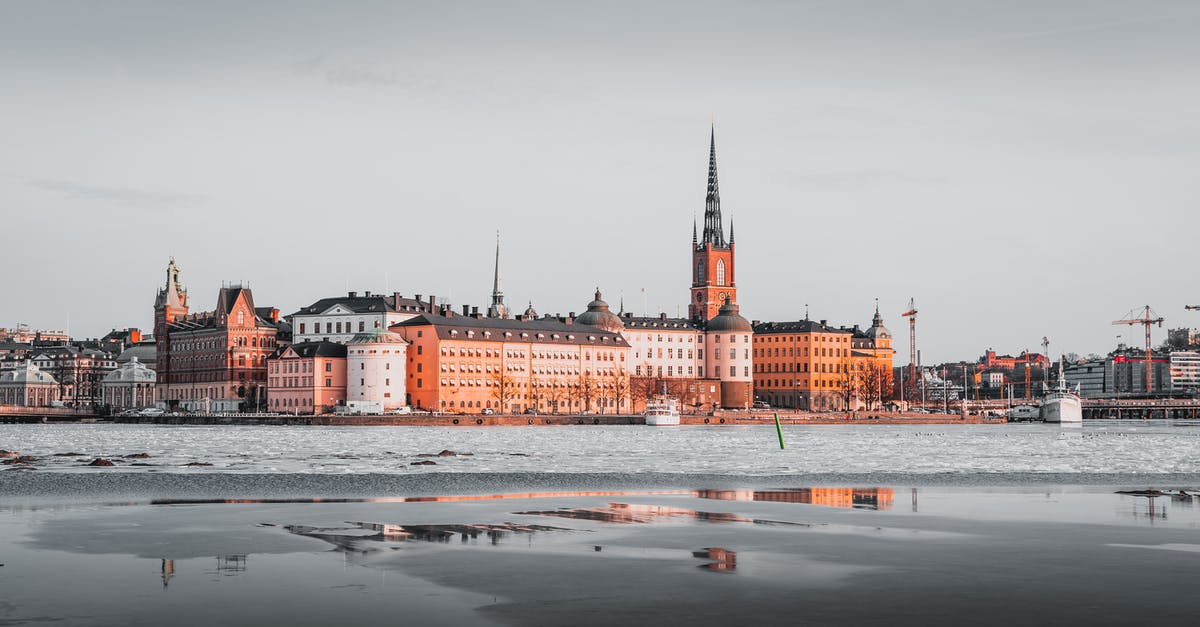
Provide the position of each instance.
(1020, 168)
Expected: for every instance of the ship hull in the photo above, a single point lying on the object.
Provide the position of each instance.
(1065, 409)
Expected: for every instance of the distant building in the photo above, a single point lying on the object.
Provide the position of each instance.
(1185, 371)
(337, 319)
(28, 386)
(991, 360)
(215, 360)
(130, 386)
(306, 378)
(22, 334)
(1183, 338)
(1092, 377)
(78, 371)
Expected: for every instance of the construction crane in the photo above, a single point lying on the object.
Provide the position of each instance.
(1192, 307)
(1148, 319)
(911, 314)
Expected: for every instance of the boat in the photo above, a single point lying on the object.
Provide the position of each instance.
(1023, 413)
(662, 411)
(1060, 404)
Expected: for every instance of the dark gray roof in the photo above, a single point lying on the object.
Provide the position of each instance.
(543, 330)
(658, 322)
(313, 349)
(375, 303)
(799, 326)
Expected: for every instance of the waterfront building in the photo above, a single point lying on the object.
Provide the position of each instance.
(376, 362)
(130, 386)
(28, 386)
(1092, 377)
(1185, 371)
(214, 360)
(804, 364)
(79, 372)
(22, 334)
(340, 318)
(468, 363)
(306, 378)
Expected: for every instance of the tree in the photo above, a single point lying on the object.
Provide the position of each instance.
(848, 381)
(504, 387)
(556, 394)
(588, 389)
(618, 385)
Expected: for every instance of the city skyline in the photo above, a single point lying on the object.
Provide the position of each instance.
(380, 147)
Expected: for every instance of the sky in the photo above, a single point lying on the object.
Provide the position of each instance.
(1021, 168)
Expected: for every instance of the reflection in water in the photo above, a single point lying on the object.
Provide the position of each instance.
(634, 513)
(350, 538)
(724, 560)
(168, 571)
(231, 563)
(862, 498)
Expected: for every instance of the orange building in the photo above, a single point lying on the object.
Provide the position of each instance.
(470, 363)
(307, 378)
(801, 364)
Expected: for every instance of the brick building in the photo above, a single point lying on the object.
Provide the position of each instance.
(306, 378)
(214, 360)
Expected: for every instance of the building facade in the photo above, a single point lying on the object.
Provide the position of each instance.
(338, 319)
(214, 361)
(804, 364)
(79, 372)
(306, 378)
(130, 386)
(469, 363)
(28, 386)
(376, 362)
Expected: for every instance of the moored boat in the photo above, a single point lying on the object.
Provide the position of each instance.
(662, 412)
(1060, 404)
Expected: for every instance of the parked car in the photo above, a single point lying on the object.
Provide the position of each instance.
(400, 411)
(487, 411)
(151, 411)
(762, 405)
(530, 410)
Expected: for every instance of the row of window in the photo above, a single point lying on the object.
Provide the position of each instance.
(791, 351)
(801, 367)
(800, 383)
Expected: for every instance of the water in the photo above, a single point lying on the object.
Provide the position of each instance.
(1112, 448)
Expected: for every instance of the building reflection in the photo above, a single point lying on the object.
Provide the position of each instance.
(723, 560)
(168, 571)
(861, 498)
(231, 563)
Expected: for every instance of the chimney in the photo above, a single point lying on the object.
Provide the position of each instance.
(352, 294)
(475, 311)
(274, 315)
(824, 323)
(571, 315)
(367, 293)
(135, 336)
(466, 310)
(396, 300)
(447, 311)
(755, 323)
(662, 315)
(432, 303)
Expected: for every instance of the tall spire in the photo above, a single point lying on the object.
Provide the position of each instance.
(694, 239)
(713, 232)
(497, 309)
(730, 231)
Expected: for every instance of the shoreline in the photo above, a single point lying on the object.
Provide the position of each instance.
(726, 418)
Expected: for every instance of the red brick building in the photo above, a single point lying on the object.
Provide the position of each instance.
(216, 360)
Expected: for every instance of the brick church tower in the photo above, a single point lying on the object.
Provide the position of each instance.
(170, 305)
(712, 256)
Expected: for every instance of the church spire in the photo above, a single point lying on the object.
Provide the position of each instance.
(497, 309)
(713, 232)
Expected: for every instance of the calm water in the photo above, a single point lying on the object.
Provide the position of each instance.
(1100, 447)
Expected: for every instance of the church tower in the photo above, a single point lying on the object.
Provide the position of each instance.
(170, 305)
(712, 256)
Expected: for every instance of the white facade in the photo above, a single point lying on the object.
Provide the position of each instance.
(375, 369)
(662, 347)
(1185, 370)
(340, 319)
(28, 386)
(129, 387)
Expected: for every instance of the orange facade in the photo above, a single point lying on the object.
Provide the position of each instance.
(468, 364)
(712, 280)
(801, 365)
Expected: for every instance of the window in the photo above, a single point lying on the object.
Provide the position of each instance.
(733, 371)
(720, 272)
(301, 328)
(241, 318)
(328, 368)
(700, 272)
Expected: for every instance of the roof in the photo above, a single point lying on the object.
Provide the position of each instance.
(373, 303)
(729, 318)
(132, 371)
(27, 374)
(659, 322)
(798, 326)
(544, 330)
(309, 350)
(145, 352)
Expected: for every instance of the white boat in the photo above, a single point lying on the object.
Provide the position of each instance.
(662, 412)
(1023, 413)
(1060, 404)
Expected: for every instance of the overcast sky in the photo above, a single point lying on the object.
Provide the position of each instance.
(1020, 168)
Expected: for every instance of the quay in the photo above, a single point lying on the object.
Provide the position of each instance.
(721, 418)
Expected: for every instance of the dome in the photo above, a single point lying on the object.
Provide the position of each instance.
(144, 352)
(598, 315)
(29, 374)
(530, 312)
(729, 319)
(133, 371)
(877, 330)
(377, 336)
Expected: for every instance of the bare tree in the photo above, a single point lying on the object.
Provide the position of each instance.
(847, 379)
(504, 387)
(588, 389)
(557, 394)
(618, 385)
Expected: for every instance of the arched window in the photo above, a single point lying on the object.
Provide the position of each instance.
(241, 318)
(720, 272)
(700, 272)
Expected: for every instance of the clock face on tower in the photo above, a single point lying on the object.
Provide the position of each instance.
(699, 297)
(721, 297)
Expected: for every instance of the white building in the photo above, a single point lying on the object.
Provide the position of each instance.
(1185, 370)
(664, 347)
(129, 387)
(28, 386)
(375, 371)
(339, 319)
